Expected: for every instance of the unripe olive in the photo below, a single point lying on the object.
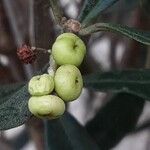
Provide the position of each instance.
(41, 85)
(68, 49)
(68, 82)
(48, 106)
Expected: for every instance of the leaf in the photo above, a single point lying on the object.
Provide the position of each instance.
(67, 134)
(135, 82)
(138, 35)
(123, 6)
(114, 120)
(92, 9)
(14, 108)
(6, 90)
(87, 7)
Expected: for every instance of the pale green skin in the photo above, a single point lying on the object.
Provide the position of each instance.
(68, 49)
(48, 106)
(68, 82)
(41, 85)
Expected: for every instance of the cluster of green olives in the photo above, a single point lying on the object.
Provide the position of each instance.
(68, 52)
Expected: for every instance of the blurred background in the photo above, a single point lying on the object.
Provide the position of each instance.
(31, 22)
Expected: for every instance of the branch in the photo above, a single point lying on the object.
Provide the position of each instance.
(12, 18)
(31, 23)
(57, 11)
(93, 28)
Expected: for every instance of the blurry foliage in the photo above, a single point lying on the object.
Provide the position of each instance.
(115, 120)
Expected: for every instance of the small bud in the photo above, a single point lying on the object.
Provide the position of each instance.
(41, 85)
(48, 106)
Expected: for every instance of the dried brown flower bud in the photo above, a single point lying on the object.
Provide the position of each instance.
(26, 54)
(72, 25)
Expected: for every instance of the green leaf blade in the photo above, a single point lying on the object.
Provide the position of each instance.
(87, 7)
(135, 82)
(93, 12)
(14, 110)
(138, 35)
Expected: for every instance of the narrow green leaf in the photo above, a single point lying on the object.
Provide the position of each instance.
(138, 35)
(87, 7)
(67, 134)
(92, 12)
(120, 6)
(135, 82)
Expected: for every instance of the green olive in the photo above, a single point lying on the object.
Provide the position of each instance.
(68, 49)
(49, 106)
(41, 85)
(68, 82)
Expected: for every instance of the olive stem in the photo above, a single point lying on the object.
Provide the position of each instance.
(53, 66)
(41, 49)
(57, 11)
(94, 28)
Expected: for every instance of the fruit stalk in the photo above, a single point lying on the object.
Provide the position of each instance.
(53, 66)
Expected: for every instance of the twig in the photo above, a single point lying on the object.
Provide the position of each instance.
(8, 5)
(57, 11)
(93, 28)
(31, 23)
(41, 49)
